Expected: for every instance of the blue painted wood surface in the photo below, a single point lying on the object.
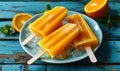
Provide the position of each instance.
(13, 57)
(21, 67)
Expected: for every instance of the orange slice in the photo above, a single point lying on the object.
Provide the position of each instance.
(96, 8)
(19, 19)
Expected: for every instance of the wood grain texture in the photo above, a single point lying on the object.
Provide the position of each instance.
(40, 0)
(50, 0)
(108, 52)
(20, 67)
(83, 68)
(9, 9)
(14, 58)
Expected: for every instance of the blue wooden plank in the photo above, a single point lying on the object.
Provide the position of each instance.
(11, 68)
(113, 32)
(13, 53)
(50, 0)
(41, 0)
(37, 68)
(83, 67)
(109, 52)
(9, 9)
(21, 67)
(10, 47)
(60, 68)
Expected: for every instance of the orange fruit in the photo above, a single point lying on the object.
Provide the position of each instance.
(19, 19)
(96, 8)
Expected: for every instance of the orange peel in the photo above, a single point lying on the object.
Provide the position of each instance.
(19, 19)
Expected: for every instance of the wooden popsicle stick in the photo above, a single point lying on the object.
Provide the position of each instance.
(41, 52)
(90, 54)
(30, 37)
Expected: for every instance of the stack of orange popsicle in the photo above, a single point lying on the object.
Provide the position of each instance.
(46, 24)
(56, 38)
(86, 37)
(57, 41)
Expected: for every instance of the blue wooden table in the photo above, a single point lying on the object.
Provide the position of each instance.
(14, 58)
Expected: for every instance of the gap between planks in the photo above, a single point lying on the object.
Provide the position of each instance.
(5, 19)
(9, 38)
(17, 38)
(61, 64)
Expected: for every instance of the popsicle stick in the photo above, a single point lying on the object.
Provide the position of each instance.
(90, 54)
(36, 57)
(30, 37)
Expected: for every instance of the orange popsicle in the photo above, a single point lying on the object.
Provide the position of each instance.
(86, 37)
(49, 22)
(46, 24)
(58, 40)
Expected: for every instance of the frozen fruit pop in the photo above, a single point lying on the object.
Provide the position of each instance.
(86, 37)
(85, 31)
(46, 24)
(49, 22)
(57, 41)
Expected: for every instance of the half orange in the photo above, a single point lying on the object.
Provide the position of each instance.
(96, 8)
(19, 19)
